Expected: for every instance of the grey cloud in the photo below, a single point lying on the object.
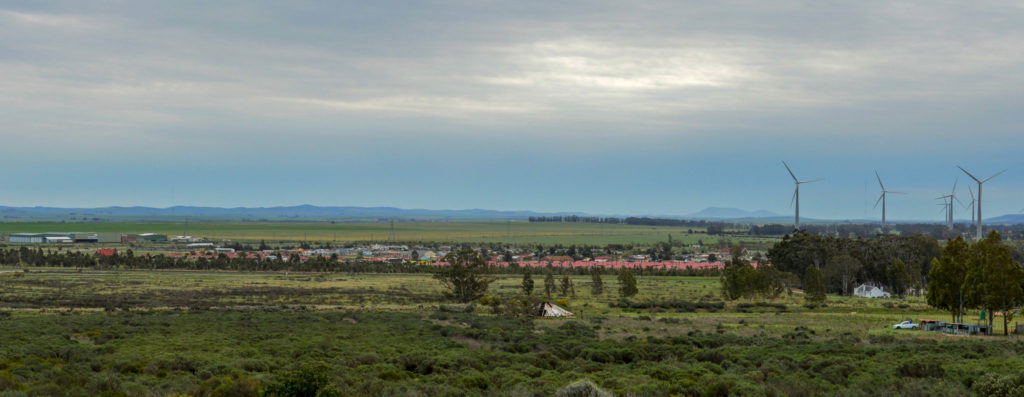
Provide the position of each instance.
(101, 69)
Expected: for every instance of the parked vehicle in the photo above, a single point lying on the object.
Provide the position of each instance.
(906, 325)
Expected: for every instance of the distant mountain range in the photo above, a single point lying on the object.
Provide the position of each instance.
(730, 213)
(377, 214)
(1008, 219)
(312, 212)
(299, 212)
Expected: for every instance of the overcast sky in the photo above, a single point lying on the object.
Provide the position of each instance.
(603, 107)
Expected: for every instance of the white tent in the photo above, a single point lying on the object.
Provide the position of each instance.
(547, 309)
(870, 291)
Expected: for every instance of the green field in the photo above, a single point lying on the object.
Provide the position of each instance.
(144, 333)
(496, 232)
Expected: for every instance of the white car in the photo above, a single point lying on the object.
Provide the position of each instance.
(906, 325)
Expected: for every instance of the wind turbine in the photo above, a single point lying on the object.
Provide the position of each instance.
(882, 199)
(971, 205)
(946, 209)
(950, 219)
(796, 194)
(980, 181)
(952, 197)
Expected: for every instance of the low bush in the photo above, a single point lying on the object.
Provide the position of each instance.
(677, 305)
(760, 307)
(309, 381)
(1000, 385)
(583, 388)
(918, 369)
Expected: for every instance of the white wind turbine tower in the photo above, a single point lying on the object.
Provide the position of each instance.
(980, 181)
(949, 205)
(882, 199)
(796, 194)
(945, 210)
(971, 205)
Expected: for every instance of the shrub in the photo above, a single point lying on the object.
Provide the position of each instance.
(583, 388)
(475, 380)
(419, 363)
(678, 305)
(920, 370)
(231, 386)
(306, 382)
(995, 385)
(760, 306)
(457, 308)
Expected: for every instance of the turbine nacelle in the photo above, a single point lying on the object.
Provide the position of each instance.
(980, 182)
(796, 193)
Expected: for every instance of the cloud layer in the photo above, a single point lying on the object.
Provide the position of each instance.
(291, 88)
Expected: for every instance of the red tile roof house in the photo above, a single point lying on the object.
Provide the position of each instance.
(106, 252)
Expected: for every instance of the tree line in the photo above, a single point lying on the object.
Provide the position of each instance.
(982, 275)
(899, 263)
(640, 221)
(871, 230)
(128, 260)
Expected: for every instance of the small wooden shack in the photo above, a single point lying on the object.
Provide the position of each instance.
(932, 325)
(548, 309)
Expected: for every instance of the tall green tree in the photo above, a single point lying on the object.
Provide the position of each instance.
(776, 282)
(549, 284)
(994, 280)
(947, 278)
(465, 277)
(842, 270)
(740, 280)
(798, 250)
(527, 283)
(661, 251)
(596, 284)
(627, 283)
(898, 277)
(814, 285)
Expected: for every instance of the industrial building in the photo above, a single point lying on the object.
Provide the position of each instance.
(144, 238)
(108, 237)
(25, 238)
(85, 237)
(44, 237)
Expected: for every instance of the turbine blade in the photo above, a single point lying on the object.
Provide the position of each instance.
(879, 181)
(793, 200)
(968, 174)
(958, 200)
(790, 171)
(955, 181)
(879, 200)
(894, 192)
(993, 176)
(811, 180)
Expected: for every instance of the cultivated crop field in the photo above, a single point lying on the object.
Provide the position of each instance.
(498, 232)
(228, 333)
